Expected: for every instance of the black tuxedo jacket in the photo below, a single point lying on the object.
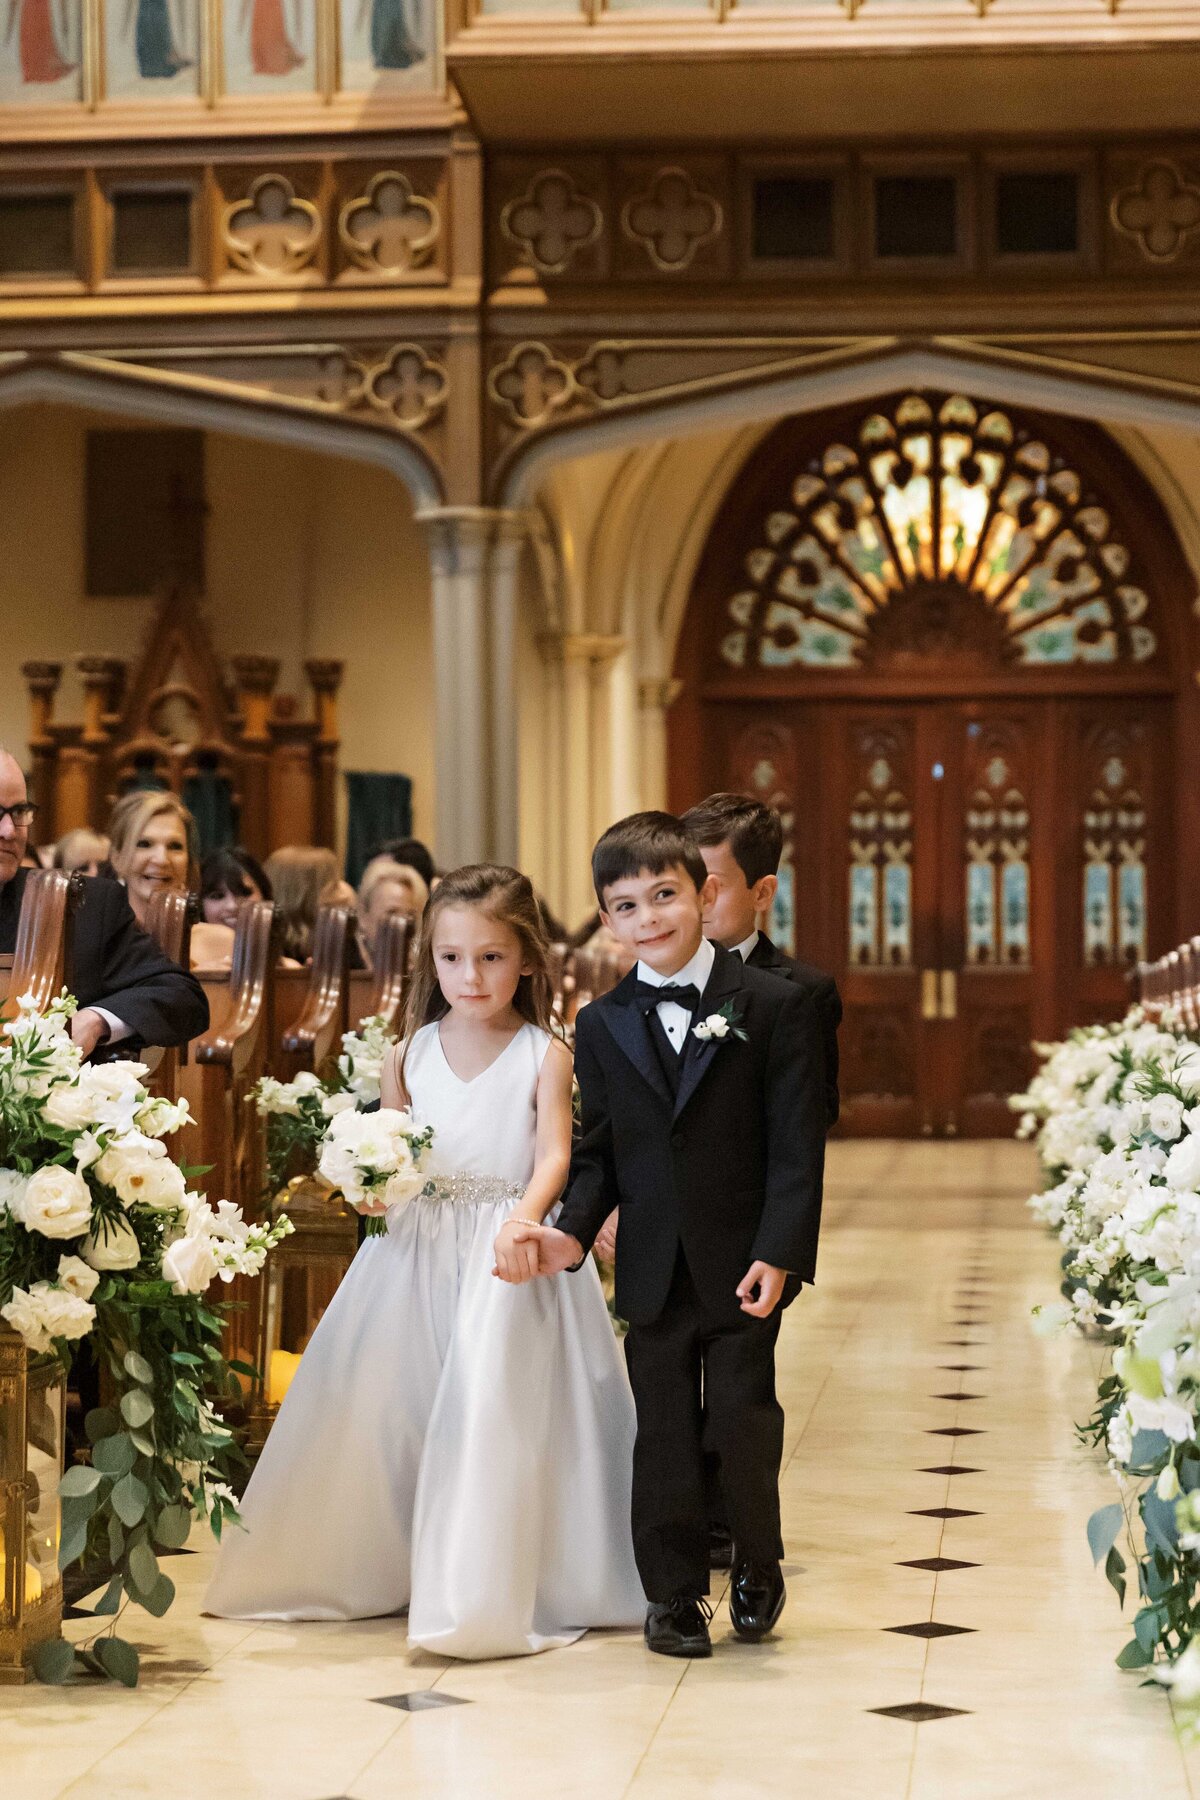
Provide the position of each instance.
(823, 988)
(115, 965)
(730, 1167)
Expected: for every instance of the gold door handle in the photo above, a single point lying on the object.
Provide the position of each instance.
(949, 987)
(929, 993)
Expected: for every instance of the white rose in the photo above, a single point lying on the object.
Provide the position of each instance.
(307, 1083)
(77, 1276)
(56, 1203)
(189, 1264)
(1165, 1117)
(12, 1191)
(64, 1314)
(25, 1316)
(1183, 1164)
(70, 1108)
(340, 1102)
(715, 1026)
(159, 1117)
(112, 1245)
(118, 1082)
(142, 1174)
(402, 1187)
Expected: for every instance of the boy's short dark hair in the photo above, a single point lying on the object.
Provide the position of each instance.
(654, 841)
(754, 832)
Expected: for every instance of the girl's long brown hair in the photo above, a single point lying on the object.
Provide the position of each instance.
(506, 896)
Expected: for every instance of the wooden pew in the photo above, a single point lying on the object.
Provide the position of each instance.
(324, 1016)
(169, 922)
(383, 989)
(42, 952)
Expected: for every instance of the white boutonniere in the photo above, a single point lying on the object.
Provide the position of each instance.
(719, 1025)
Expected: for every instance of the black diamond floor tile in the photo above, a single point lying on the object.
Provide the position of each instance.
(950, 1469)
(958, 1396)
(954, 1431)
(917, 1712)
(930, 1629)
(962, 1368)
(77, 1612)
(420, 1700)
(937, 1564)
(960, 1344)
(181, 1551)
(944, 1512)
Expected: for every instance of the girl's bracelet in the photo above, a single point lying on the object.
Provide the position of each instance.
(537, 1224)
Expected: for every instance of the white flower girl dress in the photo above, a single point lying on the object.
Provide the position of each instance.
(450, 1443)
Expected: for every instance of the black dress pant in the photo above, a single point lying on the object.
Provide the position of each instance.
(684, 1356)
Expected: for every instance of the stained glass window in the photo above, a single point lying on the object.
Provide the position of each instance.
(1114, 867)
(880, 919)
(940, 501)
(997, 866)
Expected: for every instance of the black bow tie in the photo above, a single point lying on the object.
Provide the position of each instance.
(650, 994)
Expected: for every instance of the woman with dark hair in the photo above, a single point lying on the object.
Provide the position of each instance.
(227, 877)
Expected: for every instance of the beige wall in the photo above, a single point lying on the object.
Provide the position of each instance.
(307, 556)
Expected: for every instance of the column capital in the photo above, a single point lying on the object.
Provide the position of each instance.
(42, 677)
(255, 674)
(591, 647)
(659, 692)
(461, 538)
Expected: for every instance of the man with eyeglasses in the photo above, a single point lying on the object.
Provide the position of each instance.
(128, 990)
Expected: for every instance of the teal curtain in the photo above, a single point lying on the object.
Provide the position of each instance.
(208, 796)
(380, 807)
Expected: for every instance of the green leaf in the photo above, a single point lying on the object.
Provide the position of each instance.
(137, 1408)
(110, 1599)
(1147, 1628)
(115, 1455)
(187, 1357)
(143, 1442)
(1114, 1569)
(244, 1368)
(139, 1368)
(78, 1481)
(53, 1661)
(118, 1659)
(101, 1422)
(73, 1542)
(159, 1599)
(172, 1527)
(143, 1568)
(1134, 1657)
(129, 1499)
(1102, 1529)
(116, 1540)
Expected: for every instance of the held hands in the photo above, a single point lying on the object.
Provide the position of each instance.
(524, 1251)
(769, 1281)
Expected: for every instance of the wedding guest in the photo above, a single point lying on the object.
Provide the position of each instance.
(227, 877)
(703, 1111)
(412, 853)
(128, 991)
(450, 1445)
(82, 850)
(386, 888)
(301, 877)
(154, 846)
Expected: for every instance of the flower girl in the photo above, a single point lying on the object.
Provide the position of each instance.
(453, 1443)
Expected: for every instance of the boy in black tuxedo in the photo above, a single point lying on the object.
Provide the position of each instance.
(703, 1096)
(741, 841)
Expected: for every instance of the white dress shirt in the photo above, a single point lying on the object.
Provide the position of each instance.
(676, 1020)
(746, 948)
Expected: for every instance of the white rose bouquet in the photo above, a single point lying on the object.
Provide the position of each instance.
(374, 1159)
(101, 1237)
(296, 1113)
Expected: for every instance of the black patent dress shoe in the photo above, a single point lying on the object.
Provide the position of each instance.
(720, 1547)
(679, 1627)
(756, 1597)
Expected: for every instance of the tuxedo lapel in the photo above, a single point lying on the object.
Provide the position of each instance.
(724, 981)
(627, 1023)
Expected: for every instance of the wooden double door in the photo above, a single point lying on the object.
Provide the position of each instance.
(977, 874)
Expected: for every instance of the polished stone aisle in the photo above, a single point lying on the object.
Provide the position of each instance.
(945, 1635)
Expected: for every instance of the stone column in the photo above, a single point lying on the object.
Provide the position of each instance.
(325, 677)
(474, 554)
(581, 759)
(655, 698)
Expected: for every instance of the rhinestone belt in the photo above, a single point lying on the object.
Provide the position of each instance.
(472, 1190)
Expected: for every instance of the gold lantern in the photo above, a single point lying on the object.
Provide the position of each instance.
(302, 1276)
(32, 1417)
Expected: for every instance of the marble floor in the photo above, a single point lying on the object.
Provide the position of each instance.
(945, 1635)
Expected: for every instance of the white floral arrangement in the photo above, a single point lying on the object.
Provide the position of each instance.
(101, 1237)
(1116, 1114)
(374, 1158)
(297, 1113)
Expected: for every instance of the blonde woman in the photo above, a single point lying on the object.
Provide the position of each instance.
(386, 887)
(154, 846)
